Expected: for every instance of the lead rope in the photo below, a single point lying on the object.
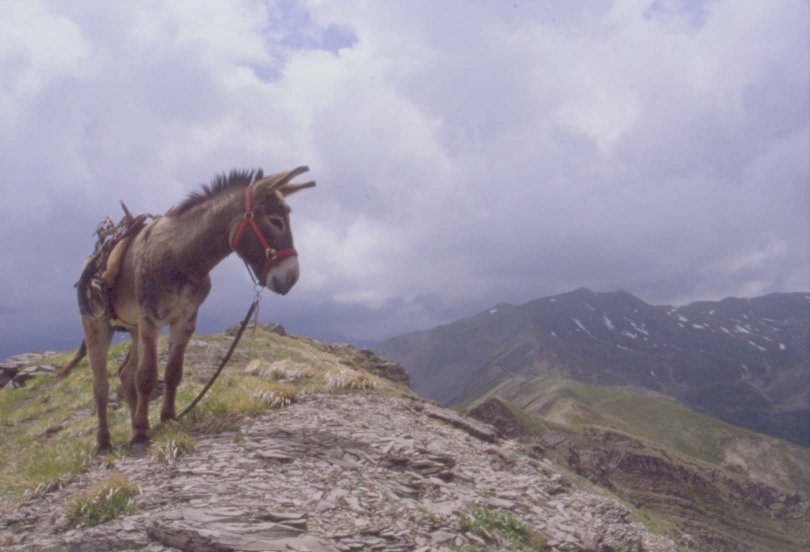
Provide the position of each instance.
(257, 289)
(254, 307)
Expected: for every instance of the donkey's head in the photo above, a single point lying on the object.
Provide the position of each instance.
(262, 236)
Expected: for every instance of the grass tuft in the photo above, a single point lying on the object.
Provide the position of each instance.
(348, 380)
(170, 442)
(486, 521)
(237, 396)
(104, 501)
(279, 370)
(274, 399)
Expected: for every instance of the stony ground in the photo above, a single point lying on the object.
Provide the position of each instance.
(337, 472)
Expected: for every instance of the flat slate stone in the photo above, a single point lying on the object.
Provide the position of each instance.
(473, 427)
(227, 537)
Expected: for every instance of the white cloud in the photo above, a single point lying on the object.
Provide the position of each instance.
(467, 153)
(37, 48)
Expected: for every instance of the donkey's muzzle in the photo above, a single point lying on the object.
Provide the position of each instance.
(282, 277)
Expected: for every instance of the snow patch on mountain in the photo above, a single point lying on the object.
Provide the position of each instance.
(583, 328)
(761, 348)
(743, 329)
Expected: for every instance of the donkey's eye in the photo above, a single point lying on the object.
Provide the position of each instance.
(278, 222)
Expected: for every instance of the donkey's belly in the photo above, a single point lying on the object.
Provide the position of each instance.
(125, 315)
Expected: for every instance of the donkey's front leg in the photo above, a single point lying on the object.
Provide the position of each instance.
(145, 378)
(97, 336)
(179, 334)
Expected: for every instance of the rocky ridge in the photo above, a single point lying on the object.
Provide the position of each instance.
(337, 472)
(16, 370)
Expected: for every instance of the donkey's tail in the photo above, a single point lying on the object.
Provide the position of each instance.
(64, 371)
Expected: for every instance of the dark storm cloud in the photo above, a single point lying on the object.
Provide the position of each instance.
(466, 153)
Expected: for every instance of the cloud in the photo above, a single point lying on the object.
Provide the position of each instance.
(467, 153)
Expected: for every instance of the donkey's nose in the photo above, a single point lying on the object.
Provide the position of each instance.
(282, 282)
(282, 285)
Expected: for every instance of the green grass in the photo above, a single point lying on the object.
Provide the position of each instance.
(49, 427)
(170, 441)
(35, 419)
(236, 396)
(104, 501)
(52, 463)
(484, 521)
(656, 524)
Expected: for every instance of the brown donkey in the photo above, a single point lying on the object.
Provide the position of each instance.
(163, 279)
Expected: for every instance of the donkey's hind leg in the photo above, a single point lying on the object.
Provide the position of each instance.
(97, 336)
(180, 333)
(126, 373)
(145, 379)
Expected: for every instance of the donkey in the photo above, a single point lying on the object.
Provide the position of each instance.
(163, 279)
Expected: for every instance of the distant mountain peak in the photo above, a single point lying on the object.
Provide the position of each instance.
(582, 291)
(745, 361)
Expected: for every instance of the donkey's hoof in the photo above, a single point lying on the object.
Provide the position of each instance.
(138, 449)
(106, 450)
(104, 444)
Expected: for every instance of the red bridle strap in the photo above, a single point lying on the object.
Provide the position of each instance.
(248, 220)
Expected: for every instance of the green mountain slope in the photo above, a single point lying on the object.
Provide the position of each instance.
(667, 423)
(731, 488)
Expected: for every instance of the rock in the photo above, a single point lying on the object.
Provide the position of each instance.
(7, 373)
(237, 537)
(369, 361)
(388, 369)
(277, 329)
(442, 536)
(288, 518)
(553, 439)
(500, 503)
(329, 473)
(469, 425)
(496, 413)
(16, 370)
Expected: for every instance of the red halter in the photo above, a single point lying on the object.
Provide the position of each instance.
(248, 220)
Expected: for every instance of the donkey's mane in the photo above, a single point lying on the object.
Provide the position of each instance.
(219, 184)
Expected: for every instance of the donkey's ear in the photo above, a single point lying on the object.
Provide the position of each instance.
(292, 187)
(264, 187)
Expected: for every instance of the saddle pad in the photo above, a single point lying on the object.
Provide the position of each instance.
(102, 267)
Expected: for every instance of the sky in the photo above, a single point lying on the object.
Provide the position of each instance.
(467, 153)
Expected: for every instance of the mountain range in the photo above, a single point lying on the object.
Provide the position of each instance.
(687, 413)
(745, 361)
